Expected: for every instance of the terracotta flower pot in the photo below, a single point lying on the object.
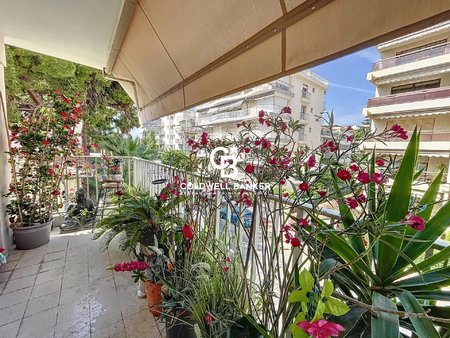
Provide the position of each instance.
(154, 300)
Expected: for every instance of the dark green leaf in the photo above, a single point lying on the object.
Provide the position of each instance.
(384, 324)
(398, 206)
(424, 327)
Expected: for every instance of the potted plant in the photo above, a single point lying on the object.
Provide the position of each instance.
(39, 147)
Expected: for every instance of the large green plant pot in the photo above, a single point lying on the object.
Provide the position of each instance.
(33, 236)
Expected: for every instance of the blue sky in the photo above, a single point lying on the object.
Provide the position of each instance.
(348, 89)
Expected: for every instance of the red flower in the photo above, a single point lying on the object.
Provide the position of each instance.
(261, 113)
(283, 126)
(311, 161)
(2, 250)
(225, 269)
(350, 138)
(398, 131)
(303, 222)
(249, 169)
(188, 232)
(352, 203)
(286, 110)
(361, 198)
(50, 171)
(268, 123)
(246, 150)
(163, 197)
(45, 142)
(265, 143)
(415, 222)
(344, 174)
(261, 120)
(208, 318)
(295, 242)
(56, 193)
(285, 194)
(273, 161)
(379, 178)
(303, 186)
(322, 193)
(257, 142)
(321, 328)
(282, 181)
(354, 167)
(364, 177)
(204, 139)
(379, 161)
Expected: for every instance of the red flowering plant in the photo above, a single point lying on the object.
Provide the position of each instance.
(370, 246)
(39, 148)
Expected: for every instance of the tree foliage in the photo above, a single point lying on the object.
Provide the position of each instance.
(31, 77)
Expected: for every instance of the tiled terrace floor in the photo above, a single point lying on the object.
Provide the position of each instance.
(64, 290)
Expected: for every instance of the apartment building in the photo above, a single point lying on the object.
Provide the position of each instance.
(412, 82)
(304, 92)
(173, 131)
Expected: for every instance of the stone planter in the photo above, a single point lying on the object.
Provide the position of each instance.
(33, 236)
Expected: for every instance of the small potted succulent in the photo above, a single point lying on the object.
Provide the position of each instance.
(39, 148)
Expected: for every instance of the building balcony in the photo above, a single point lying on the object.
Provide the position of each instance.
(306, 96)
(412, 102)
(282, 87)
(419, 61)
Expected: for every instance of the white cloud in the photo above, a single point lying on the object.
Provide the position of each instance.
(362, 90)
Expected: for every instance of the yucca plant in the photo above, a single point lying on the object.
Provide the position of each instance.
(394, 282)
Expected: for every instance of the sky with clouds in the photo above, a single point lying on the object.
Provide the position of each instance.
(348, 89)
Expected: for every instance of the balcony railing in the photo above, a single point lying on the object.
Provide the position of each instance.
(306, 95)
(283, 87)
(411, 57)
(420, 95)
(429, 136)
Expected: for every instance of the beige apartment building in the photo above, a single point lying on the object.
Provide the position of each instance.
(303, 92)
(412, 82)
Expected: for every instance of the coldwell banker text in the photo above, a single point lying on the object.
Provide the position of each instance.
(224, 186)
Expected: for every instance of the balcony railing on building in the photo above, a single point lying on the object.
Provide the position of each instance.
(412, 57)
(429, 136)
(306, 95)
(420, 95)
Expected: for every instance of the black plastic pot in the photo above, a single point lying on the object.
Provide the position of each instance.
(180, 330)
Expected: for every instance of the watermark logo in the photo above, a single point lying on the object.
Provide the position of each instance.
(227, 164)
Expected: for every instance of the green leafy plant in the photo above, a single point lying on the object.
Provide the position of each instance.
(390, 282)
(39, 149)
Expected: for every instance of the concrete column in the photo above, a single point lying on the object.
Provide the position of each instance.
(5, 172)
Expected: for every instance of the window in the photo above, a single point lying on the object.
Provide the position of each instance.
(312, 111)
(303, 112)
(310, 129)
(416, 86)
(314, 90)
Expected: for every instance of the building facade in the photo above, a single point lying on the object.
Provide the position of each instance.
(173, 131)
(303, 92)
(412, 82)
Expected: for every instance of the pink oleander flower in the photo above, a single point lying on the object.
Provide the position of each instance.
(344, 174)
(352, 203)
(321, 328)
(363, 177)
(311, 161)
(208, 318)
(379, 161)
(261, 113)
(295, 242)
(249, 169)
(303, 222)
(415, 222)
(379, 178)
(354, 167)
(303, 186)
(322, 193)
(286, 110)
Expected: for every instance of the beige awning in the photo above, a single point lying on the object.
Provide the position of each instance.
(181, 53)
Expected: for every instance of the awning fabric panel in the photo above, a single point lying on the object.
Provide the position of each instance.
(184, 53)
